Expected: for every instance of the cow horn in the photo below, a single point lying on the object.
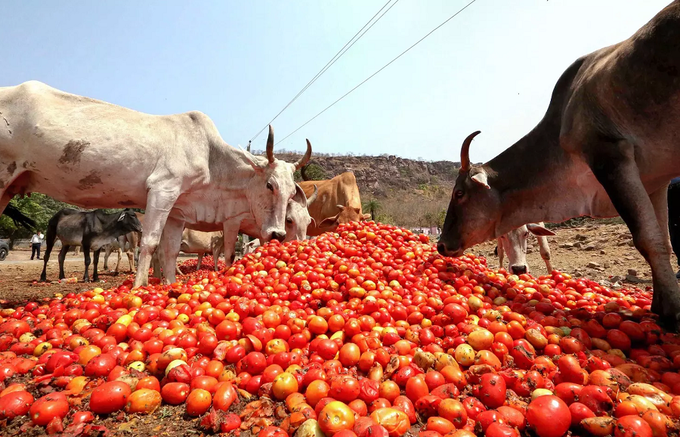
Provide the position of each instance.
(465, 152)
(305, 159)
(270, 145)
(312, 198)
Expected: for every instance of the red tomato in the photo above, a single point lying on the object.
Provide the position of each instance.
(175, 393)
(493, 389)
(632, 426)
(16, 403)
(549, 416)
(109, 397)
(48, 407)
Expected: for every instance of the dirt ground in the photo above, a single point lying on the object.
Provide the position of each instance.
(19, 276)
(600, 251)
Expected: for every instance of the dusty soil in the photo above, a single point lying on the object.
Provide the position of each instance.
(19, 276)
(599, 251)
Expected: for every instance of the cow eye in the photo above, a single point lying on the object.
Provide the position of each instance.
(270, 187)
(289, 221)
(458, 194)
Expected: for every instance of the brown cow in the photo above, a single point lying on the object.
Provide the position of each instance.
(607, 145)
(337, 202)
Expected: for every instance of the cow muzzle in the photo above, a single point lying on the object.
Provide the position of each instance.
(519, 269)
(445, 251)
(278, 236)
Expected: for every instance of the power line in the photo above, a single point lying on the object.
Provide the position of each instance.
(381, 69)
(333, 60)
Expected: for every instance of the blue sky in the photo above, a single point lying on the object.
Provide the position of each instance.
(492, 68)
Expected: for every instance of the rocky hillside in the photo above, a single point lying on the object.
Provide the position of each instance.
(408, 192)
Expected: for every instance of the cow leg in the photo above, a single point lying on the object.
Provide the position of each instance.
(501, 253)
(131, 260)
(169, 248)
(120, 253)
(544, 249)
(200, 258)
(50, 238)
(217, 250)
(615, 168)
(231, 229)
(88, 260)
(158, 206)
(95, 276)
(61, 257)
(659, 199)
(107, 253)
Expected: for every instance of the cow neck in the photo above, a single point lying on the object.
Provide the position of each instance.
(533, 178)
(231, 170)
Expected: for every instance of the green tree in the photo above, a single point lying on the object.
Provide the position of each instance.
(39, 207)
(440, 218)
(372, 206)
(313, 172)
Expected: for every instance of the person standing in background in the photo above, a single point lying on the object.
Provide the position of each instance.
(36, 241)
(674, 218)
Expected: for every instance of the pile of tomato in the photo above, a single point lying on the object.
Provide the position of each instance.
(207, 263)
(363, 332)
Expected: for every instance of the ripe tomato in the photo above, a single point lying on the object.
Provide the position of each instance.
(394, 421)
(344, 388)
(109, 397)
(16, 403)
(318, 390)
(198, 402)
(224, 396)
(629, 426)
(549, 416)
(48, 407)
(335, 417)
(283, 385)
(492, 392)
(175, 393)
(143, 401)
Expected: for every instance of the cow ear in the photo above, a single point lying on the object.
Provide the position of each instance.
(249, 159)
(481, 178)
(366, 216)
(330, 222)
(299, 195)
(539, 230)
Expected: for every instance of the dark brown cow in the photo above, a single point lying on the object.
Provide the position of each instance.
(608, 145)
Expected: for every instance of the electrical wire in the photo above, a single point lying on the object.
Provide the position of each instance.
(381, 69)
(333, 60)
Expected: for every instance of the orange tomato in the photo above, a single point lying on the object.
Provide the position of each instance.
(198, 402)
(143, 401)
(335, 417)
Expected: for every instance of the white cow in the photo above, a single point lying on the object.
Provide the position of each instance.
(297, 223)
(177, 167)
(201, 243)
(514, 244)
(127, 243)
